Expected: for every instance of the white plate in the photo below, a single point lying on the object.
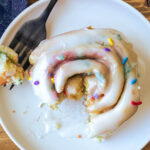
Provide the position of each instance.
(69, 15)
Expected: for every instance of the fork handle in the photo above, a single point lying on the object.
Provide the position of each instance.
(48, 9)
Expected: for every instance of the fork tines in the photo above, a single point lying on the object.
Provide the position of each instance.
(30, 35)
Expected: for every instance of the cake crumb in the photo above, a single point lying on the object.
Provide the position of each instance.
(100, 138)
(25, 112)
(79, 136)
(90, 28)
(13, 111)
(58, 126)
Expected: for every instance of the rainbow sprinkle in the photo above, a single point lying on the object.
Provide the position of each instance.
(61, 57)
(136, 103)
(52, 79)
(119, 37)
(79, 136)
(99, 76)
(96, 96)
(124, 60)
(29, 72)
(127, 69)
(29, 78)
(36, 83)
(92, 98)
(110, 41)
(52, 87)
(134, 81)
(65, 93)
(20, 81)
(50, 74)
(107, 49)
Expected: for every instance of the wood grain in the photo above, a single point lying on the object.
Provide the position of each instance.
(7, 144)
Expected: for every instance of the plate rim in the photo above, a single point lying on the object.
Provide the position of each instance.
(26, 11)
(10, 26)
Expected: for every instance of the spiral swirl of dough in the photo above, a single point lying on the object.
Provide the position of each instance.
(104, 66)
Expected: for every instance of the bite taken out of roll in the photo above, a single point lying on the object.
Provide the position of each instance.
(97, 64)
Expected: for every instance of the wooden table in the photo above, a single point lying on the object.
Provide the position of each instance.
(7, 144)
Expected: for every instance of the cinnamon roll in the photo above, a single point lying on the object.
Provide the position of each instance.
(97, 64)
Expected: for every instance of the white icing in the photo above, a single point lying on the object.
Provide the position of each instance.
(118, 92)
(100, 77)
(70, 119)
(72, 68)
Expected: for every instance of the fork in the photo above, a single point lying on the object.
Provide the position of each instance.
(29, 36)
